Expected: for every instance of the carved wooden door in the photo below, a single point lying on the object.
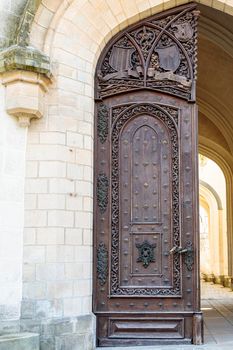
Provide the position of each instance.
(146, 271)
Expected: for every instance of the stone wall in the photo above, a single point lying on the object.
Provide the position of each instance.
(10, 12)
(12, 174)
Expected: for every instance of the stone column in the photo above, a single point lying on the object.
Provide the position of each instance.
(24, 79)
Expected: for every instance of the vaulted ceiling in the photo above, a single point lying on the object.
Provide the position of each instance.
(215, 77)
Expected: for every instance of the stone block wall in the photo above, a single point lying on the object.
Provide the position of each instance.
(12, 174)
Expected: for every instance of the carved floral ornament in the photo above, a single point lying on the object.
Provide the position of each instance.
(146, 253)
(159, 54)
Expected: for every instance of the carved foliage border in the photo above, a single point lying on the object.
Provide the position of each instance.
(171, 123)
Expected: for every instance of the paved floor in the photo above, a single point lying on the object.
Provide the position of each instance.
(217, 306)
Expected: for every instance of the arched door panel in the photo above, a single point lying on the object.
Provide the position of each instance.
(146, 220)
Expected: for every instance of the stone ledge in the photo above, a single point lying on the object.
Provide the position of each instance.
(26, 74)
(19, 341)
(25, 94)
(24, 58)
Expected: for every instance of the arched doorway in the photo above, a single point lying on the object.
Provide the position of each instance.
(213, 222)
(146, 214)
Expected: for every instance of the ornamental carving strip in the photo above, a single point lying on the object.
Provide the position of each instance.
(157, 54)
(169, 116)
(102, 192)
(102, 263)
(102, 122)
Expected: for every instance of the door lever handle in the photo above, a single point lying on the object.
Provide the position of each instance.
(179, 250)
(188, 254)
(173, 250)
(182, 251)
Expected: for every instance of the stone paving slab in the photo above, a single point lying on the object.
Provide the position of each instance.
(225, 346)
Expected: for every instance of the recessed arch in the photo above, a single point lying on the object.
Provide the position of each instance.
(214, 193)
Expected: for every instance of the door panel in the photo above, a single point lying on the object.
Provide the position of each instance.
(144, 159)
(146, 267)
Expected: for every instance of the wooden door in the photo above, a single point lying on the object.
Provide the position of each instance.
(146, 270)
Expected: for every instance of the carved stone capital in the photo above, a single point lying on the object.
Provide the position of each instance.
(25, 93)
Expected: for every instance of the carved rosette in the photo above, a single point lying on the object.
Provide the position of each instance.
(120, 116)
(146, 253)
(158, 54)
(102, 192)
(102, 263)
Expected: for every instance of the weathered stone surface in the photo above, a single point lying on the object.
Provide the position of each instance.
(20, 341)
(25, 58)
(63, 334)
(71, 341)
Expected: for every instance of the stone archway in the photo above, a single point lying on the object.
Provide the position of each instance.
(56, 233)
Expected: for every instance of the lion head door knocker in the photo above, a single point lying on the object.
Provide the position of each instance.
(146, 253)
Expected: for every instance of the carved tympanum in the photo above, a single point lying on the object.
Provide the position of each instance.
(102, 263)
(158, 54)
(146, 253)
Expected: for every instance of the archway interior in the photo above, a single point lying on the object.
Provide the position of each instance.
(213, 222)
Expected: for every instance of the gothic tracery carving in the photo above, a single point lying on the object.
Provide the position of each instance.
(159, 54)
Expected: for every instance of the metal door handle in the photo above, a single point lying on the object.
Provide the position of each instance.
(179, 250)
(173, 250)
(188, 254)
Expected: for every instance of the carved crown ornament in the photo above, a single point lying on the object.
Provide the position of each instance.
(159, 53)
